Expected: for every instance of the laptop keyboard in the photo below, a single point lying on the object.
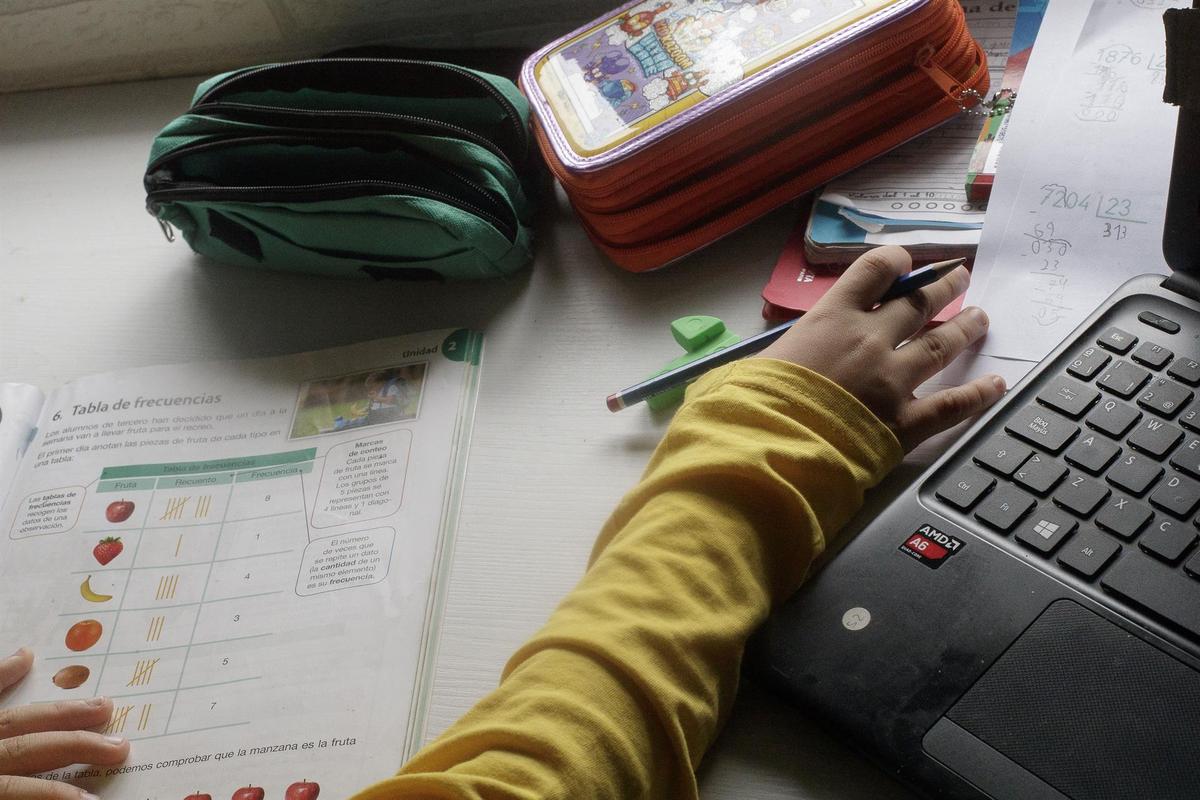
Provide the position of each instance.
(1099, 476)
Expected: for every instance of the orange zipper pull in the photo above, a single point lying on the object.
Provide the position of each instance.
(967, 99)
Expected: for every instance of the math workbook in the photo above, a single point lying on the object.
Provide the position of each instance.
(247, 557)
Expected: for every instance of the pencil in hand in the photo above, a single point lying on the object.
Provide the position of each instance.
(905, 284)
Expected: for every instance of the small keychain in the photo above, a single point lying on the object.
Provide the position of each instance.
(1000, 104)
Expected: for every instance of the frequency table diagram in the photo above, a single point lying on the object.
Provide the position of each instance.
(181, 569)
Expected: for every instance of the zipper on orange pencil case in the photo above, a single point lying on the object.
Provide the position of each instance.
(663, 250)
(771, 163)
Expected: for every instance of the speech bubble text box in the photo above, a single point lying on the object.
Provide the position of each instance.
(346, 561)
(46, 512)
(363, 479)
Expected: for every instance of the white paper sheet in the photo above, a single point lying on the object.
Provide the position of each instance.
(1078, 203)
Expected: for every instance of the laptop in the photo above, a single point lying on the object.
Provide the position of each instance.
(1024, 623)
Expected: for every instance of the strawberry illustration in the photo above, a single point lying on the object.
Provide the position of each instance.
(109, 548)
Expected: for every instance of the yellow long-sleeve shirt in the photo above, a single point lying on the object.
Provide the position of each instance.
(625, 687)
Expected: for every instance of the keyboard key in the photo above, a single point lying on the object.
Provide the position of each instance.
(1152, 355)
(1192, 565)
(1123, 516)
(1002, 454)
(1088, 552)
(1162, 323)
(1123, 379)
(1190, 418)
(1042, 427)
(1117, 340)
(1155, 437)
(1046, 530)
(1081, 494)
(1186, 370)
(1177, 494)
(965, 486)
(1168, 540)
(1004, 507)
(1112, 417)
(1068, 396)
(1134, 473)
(1090, 361)
(1039, 474)
(1187, 457)
(1092, 453)
(1164, 397)
(1157, 588)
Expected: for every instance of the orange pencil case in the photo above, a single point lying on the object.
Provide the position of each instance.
(671, 123)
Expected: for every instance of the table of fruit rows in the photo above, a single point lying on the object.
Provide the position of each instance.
(172, 580)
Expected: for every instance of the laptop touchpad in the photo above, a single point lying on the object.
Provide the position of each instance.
(1091, 710)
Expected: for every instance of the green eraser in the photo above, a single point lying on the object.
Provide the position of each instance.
(700, 336)
(696, 331)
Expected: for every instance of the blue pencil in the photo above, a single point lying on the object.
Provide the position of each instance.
(905, 284)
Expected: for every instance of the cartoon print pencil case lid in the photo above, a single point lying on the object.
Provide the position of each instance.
(653, 67)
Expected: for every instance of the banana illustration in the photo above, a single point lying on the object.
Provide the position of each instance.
(85, 589)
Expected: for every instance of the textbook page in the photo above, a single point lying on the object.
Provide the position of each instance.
(925, 180)
(1077, 208)
(247, 557)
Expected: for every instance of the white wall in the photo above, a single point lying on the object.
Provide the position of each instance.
(47, 43)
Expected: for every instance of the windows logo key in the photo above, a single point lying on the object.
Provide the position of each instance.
(1045, 528)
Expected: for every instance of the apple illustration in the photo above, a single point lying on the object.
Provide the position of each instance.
(249, 793)
(302, 790)
(198, 796)
(119, 510)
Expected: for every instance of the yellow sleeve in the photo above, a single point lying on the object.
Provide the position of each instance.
(621, 692)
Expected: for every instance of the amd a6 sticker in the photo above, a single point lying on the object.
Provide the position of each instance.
(930, 546)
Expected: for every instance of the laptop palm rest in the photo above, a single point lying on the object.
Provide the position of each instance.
(1079, 708)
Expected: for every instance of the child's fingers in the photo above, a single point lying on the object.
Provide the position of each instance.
(68, 715)
(17, 788)
(908, 314)
(942, 410)
(38, 752)
(15, 667)
(865, 281)
(930, 353)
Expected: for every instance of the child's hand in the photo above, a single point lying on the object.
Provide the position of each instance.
(846, 339)
(48, 736)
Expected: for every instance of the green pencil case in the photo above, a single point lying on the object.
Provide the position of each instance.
(384, 168)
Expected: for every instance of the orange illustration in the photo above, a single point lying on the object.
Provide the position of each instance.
(84, 634)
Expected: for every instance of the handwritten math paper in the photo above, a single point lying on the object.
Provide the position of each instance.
(1081, 189)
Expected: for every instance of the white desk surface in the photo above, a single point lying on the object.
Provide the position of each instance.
(90, 285)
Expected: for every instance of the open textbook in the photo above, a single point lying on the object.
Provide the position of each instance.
(246, 556)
